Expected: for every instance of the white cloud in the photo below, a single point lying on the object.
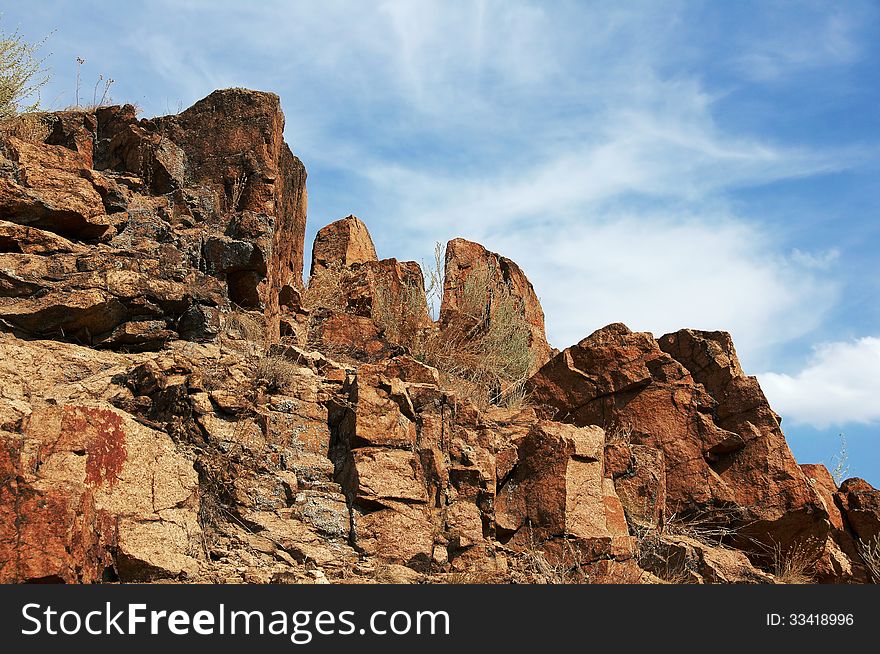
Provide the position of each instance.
(581, 140)
(659, 273)
(816, 260)
(817, 40)
(841, 384)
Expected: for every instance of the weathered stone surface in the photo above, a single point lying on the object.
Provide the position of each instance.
(558, 489)
(214, 189)
(642, 487)
(342, 244)
(350, 281)
(860, 503)
(22, 239)
(380, 474)
(51, 296)
(379, 533)
(234, 145)
(224, 164)
(107, 496)
(391, 292)
(680, 559)
(48, 187)
(471, 272)
(358, 337)
(75, 129)
(721, 450)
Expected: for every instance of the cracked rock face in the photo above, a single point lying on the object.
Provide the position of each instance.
(173, 408)
(686, 397)
(126, 233)
(94, 495)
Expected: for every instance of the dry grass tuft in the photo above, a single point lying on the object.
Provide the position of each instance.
(482, 351)
(326, 289)
(484, 346)
(870, 552)
(245, 330)
(470, 578)
(244, 325)
(27, 127)
(277, 372)
(794, 565)
(401, 315)
(568, 566)
(712, 527)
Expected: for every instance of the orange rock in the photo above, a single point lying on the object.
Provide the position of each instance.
(724, 450)
(642, 489)
(558, 488)
(475, 276)
(860, 503)
(49, 189)
(342, 244)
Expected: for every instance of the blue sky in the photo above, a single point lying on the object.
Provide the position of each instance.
(700, 164)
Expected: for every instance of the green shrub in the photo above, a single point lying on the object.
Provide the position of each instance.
(21, 75)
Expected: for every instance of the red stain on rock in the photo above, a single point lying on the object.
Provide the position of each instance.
(104, 441)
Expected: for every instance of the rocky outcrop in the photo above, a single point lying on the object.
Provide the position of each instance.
(840, 560)
(860, 504)
(466, 486)
(687, 397)
(342, 243)
(176, 405)
(479, 283)
(180, 216)
(371, 308)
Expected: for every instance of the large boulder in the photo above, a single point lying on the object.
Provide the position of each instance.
(236, 158)
(49, 187)
(91, 493)
(125, 233)
(723, 450)
(860, 503)
(342, 243)
(557, 489)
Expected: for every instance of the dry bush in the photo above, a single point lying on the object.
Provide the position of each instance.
(244, 325)
(326, 289)
(401, 315)
(651, 553)
(870, 552)
(102, 87)
(484, 346)
(840, 462)
(276, 371)
(21, 75)
(471, 578)
(435, 279)
(794, 564)
(569, 568)
(482, 352)
(619, 434)
(712, 527)
(27, 127)
(232, 198)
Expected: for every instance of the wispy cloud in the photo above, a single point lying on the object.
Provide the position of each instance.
(586, 141)
(818, 36)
